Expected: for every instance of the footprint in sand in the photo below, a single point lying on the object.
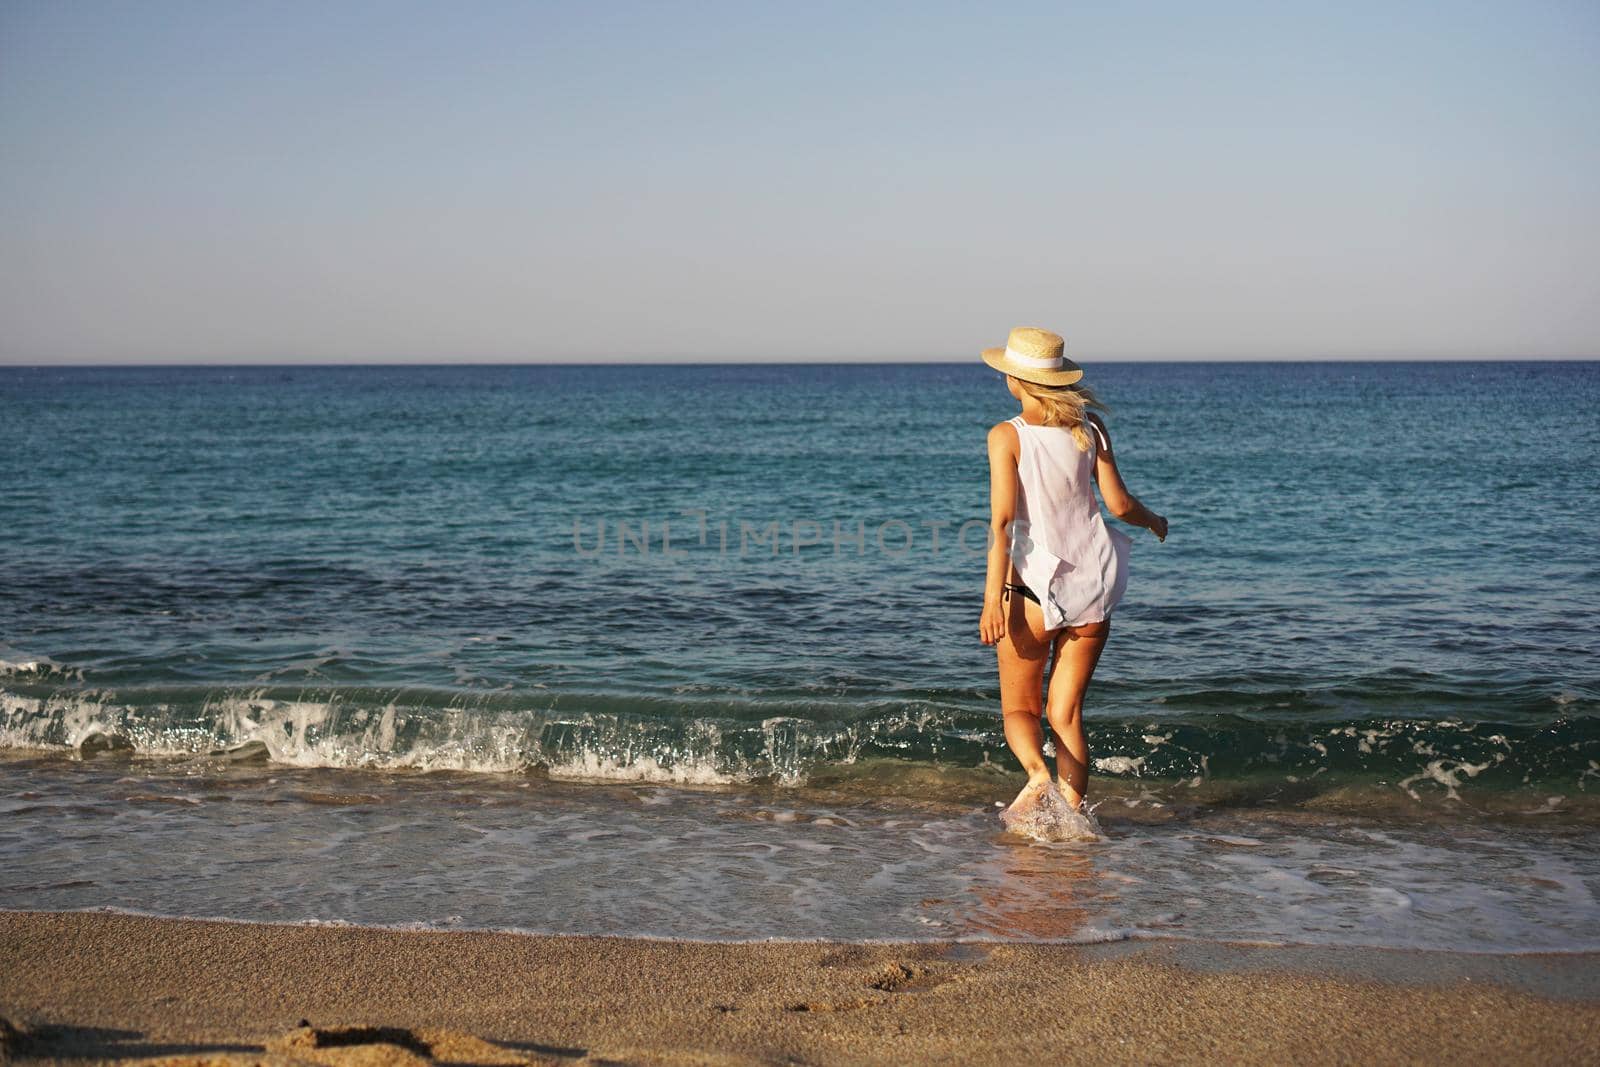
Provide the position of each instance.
(394, 1046)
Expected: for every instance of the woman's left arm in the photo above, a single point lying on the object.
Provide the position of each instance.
(1003, 447)
(1121, 503)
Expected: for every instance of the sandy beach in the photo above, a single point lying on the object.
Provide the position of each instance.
(99, 987)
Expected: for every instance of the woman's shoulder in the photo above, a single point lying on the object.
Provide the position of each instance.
(1004, 435)
(1097, 426)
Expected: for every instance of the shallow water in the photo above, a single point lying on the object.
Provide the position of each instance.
(453, 850)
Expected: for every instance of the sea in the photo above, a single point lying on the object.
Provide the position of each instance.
(691, 651)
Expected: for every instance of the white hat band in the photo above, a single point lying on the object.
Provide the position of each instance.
(1033, 361)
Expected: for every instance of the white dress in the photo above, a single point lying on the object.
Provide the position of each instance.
(1060, 544)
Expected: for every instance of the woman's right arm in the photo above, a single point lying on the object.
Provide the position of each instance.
(1121, 503)
(1002, 510)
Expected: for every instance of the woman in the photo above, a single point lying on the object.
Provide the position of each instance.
(1056, 570)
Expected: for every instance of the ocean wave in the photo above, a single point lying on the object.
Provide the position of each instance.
(621, 738)
(24, 667)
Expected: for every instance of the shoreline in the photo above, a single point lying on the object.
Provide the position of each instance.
(1180, 944)
(98, 987)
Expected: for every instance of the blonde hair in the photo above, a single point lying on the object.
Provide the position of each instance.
(1066, 406)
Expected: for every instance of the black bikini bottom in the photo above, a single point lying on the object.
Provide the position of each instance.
(1024, 590)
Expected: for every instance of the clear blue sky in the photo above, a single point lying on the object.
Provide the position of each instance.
(333, 181)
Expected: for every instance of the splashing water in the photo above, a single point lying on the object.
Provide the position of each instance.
(1042, 813)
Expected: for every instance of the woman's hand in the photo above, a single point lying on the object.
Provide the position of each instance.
(992, 626)
(1158, 526)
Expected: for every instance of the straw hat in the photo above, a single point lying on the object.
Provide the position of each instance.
(1034, 356)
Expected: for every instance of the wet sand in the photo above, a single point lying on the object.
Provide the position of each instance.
(95, 987)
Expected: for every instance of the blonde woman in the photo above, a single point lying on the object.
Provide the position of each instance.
(1056, 570)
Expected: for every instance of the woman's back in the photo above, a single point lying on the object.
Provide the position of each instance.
(1060, 544)
(1055, 474)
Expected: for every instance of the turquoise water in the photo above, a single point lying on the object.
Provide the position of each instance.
(1378, 600)
(1388, 547)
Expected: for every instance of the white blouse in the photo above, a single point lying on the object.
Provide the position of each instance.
(1060, 544)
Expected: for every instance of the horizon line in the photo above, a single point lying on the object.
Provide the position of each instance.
(677, 362)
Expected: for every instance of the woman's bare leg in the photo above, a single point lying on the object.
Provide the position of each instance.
(1077, 651)
(1022, 654)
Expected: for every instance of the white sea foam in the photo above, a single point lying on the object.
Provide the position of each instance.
(24, 666)
(590, 765)
(1448, 774)
(332, 733)
(1119, 764)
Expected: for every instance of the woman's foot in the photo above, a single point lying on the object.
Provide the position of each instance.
(1036, 792)
(1043, 812)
